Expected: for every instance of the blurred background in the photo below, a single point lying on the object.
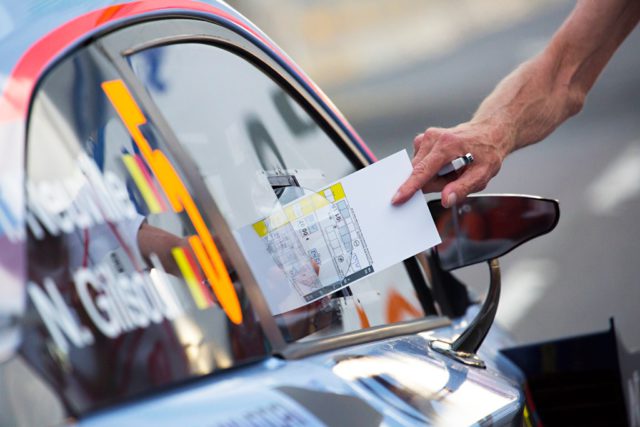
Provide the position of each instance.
(395, 67)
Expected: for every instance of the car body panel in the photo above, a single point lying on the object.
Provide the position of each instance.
(399, 379)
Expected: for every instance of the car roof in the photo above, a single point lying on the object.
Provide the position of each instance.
(25, 22)
(55, 26)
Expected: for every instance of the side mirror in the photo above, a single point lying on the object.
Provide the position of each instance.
(484, 228)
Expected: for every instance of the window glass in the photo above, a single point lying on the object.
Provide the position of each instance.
(269, 166)
(129, 288)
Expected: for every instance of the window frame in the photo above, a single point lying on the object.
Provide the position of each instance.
(177, 28)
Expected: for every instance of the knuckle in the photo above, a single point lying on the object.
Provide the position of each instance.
(450, 151)
(417, 141)
(432, 133)
(420, 169)
(446, 139)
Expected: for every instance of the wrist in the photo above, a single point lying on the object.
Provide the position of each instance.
(500, 131)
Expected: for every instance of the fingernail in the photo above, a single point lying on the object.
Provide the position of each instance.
(395, 198)
(451, 200)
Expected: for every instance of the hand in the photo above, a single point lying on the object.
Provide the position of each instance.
(487, 142)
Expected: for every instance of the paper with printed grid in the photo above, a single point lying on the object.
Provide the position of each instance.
(337, 235)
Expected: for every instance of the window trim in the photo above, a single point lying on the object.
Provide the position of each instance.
(183, 29)
(299, 350)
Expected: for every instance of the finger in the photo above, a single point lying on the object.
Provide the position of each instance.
(416, 143)
(418, 150)
(471, 181)
(423, 144)
(422, 172)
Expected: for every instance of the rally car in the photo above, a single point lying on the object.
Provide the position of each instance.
(140, 144)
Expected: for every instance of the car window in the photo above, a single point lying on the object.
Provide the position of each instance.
(129, 288)
(269, 165)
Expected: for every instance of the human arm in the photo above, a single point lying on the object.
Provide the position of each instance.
(527, 105)
(154, 240)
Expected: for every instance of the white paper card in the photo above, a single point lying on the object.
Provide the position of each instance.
(329, 239)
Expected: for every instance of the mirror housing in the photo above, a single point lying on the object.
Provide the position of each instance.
(485, 227)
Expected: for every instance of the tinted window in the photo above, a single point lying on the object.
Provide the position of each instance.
(129, 288)
(259, 153)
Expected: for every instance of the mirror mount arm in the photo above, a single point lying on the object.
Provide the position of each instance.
(474, 335)
(465, 347)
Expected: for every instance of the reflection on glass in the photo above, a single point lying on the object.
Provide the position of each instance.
(118, 294)
(309, 239)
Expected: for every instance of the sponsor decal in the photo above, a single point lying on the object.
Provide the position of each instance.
(56, 207)
(115, 301)
(189, 270)
(399, 309)
(271, 414)
(144, 183)
(202, 243)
